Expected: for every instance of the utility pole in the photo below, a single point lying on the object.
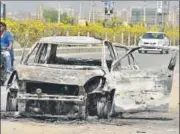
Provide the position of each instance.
(155, 21)
(145, 12)
(90, 11)
(173, 11)
(162, 15)
(59, 12)
(80, 8)
(93, 12)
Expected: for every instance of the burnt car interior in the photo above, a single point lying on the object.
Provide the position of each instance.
(48, 54)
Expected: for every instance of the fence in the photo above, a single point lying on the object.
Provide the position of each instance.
(124, 38)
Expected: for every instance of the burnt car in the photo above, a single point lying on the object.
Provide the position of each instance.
(76, 77)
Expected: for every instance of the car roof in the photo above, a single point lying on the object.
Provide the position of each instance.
(70, 40)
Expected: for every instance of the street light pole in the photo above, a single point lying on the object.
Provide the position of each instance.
(59, 13)
(163, 16)
(90, 11)
(144, 11)
(93, 12)
(80, 8)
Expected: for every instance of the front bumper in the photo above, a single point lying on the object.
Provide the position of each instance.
(78, 99)
(152, 48)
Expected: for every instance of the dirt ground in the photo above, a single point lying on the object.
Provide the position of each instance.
(167, 124)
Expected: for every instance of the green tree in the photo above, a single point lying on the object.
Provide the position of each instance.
(67, 19)
(50, 15)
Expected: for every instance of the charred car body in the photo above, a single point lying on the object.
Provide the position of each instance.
(47, 83)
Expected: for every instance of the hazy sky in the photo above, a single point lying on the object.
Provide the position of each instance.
(31, 6)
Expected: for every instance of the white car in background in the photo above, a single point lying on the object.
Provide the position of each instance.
(154, 41)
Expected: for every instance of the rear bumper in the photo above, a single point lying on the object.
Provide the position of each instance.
(77, 99)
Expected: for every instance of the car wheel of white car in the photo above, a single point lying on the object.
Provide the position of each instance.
(161, 52)
(140, 51)
(167, 52)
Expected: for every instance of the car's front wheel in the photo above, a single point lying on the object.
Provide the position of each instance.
(167, 52)
(161, 52)
(11, 102)
(104, 105)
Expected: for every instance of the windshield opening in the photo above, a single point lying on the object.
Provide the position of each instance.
(71, 54)
(153, 36)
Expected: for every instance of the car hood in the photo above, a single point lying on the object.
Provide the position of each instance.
(72, 76)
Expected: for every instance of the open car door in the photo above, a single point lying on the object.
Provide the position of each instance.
(138, 90)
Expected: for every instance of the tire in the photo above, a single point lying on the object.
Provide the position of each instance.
(103, 108)
(167, 52)
(140, 51)
(145, 51)
(161, 52)
(11, 104)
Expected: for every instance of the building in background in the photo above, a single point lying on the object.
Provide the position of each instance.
(173, 17)
(18, 16)
(125, 15)
(151, 16)
(162, 12)
(137, 15)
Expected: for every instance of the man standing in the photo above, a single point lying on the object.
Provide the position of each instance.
(6, 44)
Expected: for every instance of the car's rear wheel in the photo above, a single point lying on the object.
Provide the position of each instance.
(145, 51)
(167, 52)
(140, 51)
